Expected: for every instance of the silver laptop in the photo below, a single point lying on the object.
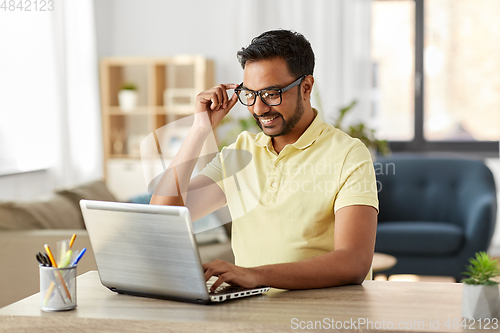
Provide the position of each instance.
(150, 250)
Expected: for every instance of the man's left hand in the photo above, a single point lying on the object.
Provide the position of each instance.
(229, 273)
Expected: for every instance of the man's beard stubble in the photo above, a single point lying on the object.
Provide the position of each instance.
(289, 124)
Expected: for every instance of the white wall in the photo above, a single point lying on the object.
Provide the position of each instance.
(338, 31)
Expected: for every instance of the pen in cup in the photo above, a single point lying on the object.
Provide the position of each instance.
(44, 260)
(72, 240)
(80, 255)
(62, 248)
(74, 262)
(66, 260)
(54, 264)
(65, 257)
(63, 263)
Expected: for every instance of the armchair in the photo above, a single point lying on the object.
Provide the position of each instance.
(435, 213)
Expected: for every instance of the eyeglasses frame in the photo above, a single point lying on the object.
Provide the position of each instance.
(259, 92)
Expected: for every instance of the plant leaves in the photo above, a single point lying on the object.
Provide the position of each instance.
(482, 269)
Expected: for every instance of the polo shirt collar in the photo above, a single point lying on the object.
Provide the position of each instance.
(262, 140)
(305, 140)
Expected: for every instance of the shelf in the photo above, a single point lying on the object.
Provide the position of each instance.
(147, 110)
(123, 157)
(140, 110)
(166, 92)
(176, 111)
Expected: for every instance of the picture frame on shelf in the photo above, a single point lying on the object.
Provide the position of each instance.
(179, 100)
(175, 136)
(157, 151)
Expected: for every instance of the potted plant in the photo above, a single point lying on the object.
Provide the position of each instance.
(237, 125)
(362, 132)
(127, 97)
(480, 296)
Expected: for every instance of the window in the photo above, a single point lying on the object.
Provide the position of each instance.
(437, 74)
(29, 91)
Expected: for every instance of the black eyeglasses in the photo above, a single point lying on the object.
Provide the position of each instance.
(271, 97)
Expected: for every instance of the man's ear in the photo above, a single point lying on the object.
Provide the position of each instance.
(307, 86)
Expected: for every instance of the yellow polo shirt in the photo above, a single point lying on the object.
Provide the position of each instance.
(283, 205)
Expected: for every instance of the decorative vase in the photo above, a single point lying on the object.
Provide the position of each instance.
(118, 144)
(127, 100)
(480, 301)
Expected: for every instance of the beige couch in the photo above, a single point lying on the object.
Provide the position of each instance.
(26, 226)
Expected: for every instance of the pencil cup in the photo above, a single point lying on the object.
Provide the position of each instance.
(57, 288)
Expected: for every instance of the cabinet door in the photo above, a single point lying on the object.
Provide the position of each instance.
(125, 178)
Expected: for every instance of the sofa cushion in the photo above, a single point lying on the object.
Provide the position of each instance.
(141, 198)
(419, 238)
(50, 212)
(13, 217)
(95, 190)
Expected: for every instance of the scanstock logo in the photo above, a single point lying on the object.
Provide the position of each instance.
(239, 175)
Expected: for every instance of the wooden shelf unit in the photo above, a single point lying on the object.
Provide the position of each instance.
(166, 87)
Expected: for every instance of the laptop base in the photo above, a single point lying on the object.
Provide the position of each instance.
(170, 298)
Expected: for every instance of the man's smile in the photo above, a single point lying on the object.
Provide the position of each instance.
(268, 120)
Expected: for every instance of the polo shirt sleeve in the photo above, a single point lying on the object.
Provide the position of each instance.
(213, 170)
(357, 182)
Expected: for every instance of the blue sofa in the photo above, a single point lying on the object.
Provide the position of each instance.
(435, 213)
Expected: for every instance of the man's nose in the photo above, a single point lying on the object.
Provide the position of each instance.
(259, 108)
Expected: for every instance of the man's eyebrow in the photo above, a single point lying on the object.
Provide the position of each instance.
(276, 86)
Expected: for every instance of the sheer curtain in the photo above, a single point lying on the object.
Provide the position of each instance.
(339, 32)
(79, 157)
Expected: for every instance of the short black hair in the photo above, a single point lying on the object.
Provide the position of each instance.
(289, 45)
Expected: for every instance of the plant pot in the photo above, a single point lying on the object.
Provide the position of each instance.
(480, 301)
(127, 100)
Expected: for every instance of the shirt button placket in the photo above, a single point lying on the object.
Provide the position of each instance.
(272, 191)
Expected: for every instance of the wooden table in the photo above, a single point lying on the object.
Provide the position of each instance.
(383, 303)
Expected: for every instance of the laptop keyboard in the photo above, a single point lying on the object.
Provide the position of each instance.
(223, 288)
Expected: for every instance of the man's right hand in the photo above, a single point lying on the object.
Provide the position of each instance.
(216, 103)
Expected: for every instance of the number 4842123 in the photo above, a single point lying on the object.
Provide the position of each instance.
(472, 324)
(27, 5)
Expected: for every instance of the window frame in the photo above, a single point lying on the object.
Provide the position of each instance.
(419, 144)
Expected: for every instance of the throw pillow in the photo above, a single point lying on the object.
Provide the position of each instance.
(50, 212)
(95, 190)
(16, 218)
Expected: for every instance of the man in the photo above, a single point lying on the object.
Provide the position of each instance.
(314, 222)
